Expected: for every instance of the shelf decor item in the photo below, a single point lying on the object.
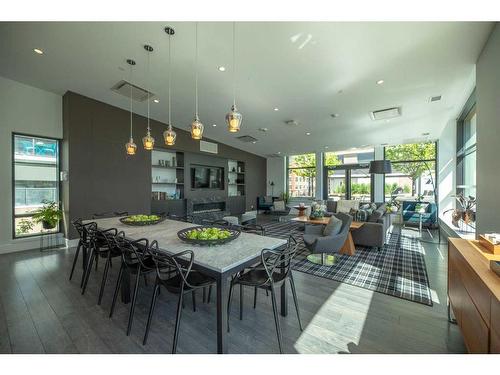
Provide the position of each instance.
(317, 211)
(208, 235)
(142, 220)
(490, 242)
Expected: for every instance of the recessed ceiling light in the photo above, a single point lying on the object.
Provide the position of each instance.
(221, 68)
(380, 81)
(276, 109)
(263, 130)
(326, 147)
(335, 115)
(308, 133)
(156, 100)
(279, 152)
(38, 50)
(254, 142)
(214, 125)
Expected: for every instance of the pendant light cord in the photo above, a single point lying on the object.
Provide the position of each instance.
(149, 81)
(130, 79)
(196, 71)
(234, 64)
(169, 81)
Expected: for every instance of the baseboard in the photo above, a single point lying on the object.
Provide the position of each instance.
(31, 243)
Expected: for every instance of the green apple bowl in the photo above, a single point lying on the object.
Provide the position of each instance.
(208, 235)
(141, 220)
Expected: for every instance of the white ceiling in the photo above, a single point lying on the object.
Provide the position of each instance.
(308, 70)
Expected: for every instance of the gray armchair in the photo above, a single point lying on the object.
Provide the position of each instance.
(320, 245)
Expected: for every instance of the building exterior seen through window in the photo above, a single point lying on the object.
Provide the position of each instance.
(35, 180)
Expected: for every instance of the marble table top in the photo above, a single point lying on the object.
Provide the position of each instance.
(219, 258)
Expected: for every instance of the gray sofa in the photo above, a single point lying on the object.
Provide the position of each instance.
(373, 232)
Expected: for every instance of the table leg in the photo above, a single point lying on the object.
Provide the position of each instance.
(348, 248)
(222, 284)
(284, 297)
(125, 287)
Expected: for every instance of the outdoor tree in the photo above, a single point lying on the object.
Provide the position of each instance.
(305, 162)
(418, 154)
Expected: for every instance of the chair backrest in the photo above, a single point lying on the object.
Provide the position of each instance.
(132, 252)
(253, 228)
(279, 260)
(85, 231)
(107, 238)
(166, 265)
(346, 222)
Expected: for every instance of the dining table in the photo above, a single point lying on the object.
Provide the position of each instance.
(219, 261)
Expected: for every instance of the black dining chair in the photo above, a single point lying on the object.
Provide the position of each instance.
(136, 261)
(272, 272)
(175, 274)
(84, 242)
(100, 247)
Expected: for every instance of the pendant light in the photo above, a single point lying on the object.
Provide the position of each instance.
(169, 135)
(130, 146)
(196, 125)
(148, 141)
(234, 118)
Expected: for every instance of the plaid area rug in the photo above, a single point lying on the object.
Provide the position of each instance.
(398, 269)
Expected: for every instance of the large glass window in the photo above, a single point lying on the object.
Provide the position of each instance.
(413, 171)
(301, 175)
(466, 154)
(36, 180)
(347, 174)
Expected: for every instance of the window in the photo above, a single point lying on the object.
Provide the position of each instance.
(413, 171)
(466, 154)
(347, 174)
(301, 171)
(35, 180)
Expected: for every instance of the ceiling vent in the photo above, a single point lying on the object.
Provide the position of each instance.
(138, 93)
(385, 114)
(436, 98)
(291, 123)
(210, 147)
(273, 155)
(247, 138)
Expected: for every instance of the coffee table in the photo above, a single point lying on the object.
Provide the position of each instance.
(348, 248)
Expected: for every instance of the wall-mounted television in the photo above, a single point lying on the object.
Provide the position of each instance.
(204, 177)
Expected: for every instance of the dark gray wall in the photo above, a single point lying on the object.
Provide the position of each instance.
(103, 178)
(488, 135)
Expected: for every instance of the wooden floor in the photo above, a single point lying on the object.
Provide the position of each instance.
(42, 312)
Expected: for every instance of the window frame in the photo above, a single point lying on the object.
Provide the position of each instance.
(435, 161)
(461, 153)
(288, 168)
(13, 183)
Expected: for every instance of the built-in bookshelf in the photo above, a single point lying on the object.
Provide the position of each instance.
(167, 174)
(236, 178)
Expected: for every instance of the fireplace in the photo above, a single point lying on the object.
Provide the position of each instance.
(201, 209)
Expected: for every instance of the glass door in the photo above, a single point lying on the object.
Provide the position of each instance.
(360, 184)
(336, 183)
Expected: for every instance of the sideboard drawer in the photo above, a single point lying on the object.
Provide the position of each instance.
(495, 326)
(474, 329)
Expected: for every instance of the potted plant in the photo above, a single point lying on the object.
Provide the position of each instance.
(49, 215)
(285, 197)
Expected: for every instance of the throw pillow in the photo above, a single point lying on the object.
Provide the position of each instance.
(279, 205)
(364, 214)
(375, 216)
(345, 206)
(333, 227)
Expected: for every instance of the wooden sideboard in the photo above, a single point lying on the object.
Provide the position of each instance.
(474, 295)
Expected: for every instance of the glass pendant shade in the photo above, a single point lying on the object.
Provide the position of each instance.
(169, 135)
(131, 147)
(148, 142)
(196, 129)
(233, 120)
